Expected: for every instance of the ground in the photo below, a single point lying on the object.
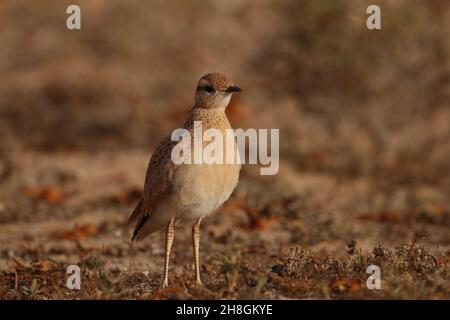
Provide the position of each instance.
(364, 122)
(311, 244)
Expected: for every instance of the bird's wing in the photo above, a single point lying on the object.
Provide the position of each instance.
(136, 212)
(157, 183)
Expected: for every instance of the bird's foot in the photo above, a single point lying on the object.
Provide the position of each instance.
(198, 283)
(165, 283)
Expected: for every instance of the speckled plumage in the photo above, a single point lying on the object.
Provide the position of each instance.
(188, 192)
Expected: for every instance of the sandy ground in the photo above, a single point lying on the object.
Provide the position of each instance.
(71, 208)
(364, 123)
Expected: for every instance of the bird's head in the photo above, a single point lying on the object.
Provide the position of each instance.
(214, 91)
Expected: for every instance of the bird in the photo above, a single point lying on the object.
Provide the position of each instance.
(188, 192)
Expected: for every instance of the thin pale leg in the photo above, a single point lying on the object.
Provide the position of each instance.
(195, 247)
(169, 240)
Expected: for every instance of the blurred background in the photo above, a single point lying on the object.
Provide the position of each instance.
(364, 120)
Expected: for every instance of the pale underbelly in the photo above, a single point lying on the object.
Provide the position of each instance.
(208, 187)
(201, 190)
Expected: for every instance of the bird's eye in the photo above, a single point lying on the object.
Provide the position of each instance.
(209, 89)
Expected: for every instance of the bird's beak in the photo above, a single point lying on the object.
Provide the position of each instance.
(233, 89)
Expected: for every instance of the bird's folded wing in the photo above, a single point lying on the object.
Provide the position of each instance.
(136, 212)
(157, 182)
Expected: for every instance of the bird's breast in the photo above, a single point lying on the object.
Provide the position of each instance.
(203, 188)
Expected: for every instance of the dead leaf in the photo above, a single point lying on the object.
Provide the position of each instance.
(256, 219)
(19, 265)
(79, 232)
(265, 223)
(52, 195)
(346, 285)
(45, 265)
(41, 266)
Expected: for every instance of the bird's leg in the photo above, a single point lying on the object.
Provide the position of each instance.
(169, 240)
(195, 247)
